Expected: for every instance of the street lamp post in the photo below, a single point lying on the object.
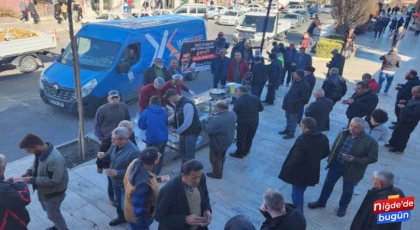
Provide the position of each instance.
(266, 23)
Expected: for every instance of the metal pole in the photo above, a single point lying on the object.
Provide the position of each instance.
(266, 23)
(77, 84)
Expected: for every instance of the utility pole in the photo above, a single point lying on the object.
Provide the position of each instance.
(101, 6)
(77, 84)
(266, 23)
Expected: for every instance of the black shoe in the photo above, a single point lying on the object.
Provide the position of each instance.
(388, 145)
(316, 204)
(394, 150)
(236, 155)
(341, 212)
(289, 136)
(211, 175)
(246, 153)
(52, 228)
(115, 222)
(394, 122)
(284, 132)
(392, 127)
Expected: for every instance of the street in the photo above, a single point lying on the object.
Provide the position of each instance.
(22, 111)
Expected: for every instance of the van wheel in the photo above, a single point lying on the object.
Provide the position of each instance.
(28, 64)
(216, 17)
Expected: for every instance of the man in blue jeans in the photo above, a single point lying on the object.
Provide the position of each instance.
(353, 150)
(302, 166)
(390, 62)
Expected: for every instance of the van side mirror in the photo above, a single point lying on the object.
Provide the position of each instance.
(123, 67)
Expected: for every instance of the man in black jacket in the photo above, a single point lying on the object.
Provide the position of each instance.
(311, 80)
(57, 12)
(362, 102)
(337, 61)
(404, 92)
(275, 71)
(383, 187)
(247, 108)
(390, 62)
(280, 215)
(259, 77)
(173, 208)
(302, 59)
(334, 86)
(293, 102)
(302, 166)
(320, 110)
(289, 58)
(409, 119)
(13, 199)
(155, 71)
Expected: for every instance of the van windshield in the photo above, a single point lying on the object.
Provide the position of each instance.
(94, 54)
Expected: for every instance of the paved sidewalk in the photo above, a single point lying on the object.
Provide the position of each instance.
(240, 191)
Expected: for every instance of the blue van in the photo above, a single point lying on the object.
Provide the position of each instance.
(103, 53)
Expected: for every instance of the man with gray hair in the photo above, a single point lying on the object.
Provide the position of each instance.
(155, 71)
(13, 199)
(320, 110)
(148, 91)
(120, 155)
(383, 187)
(177, 84)
(352, 151)
(221, 129)
(219, 67)
(280, 215)
(334, 85)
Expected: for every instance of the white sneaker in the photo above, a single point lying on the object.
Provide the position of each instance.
(356, 191)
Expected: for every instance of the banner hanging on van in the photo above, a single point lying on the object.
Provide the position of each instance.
(197, 56)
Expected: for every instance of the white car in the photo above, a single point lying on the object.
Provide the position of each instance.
(326, 9)
(256, 7)
(231, 17)
(106, 17)
(162, 12)
(292, 8)
(295, 19)
(239, 7)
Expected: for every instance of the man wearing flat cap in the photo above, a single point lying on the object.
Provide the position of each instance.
(148, 91)
(155, 71)
(293, 102)
(186, 123)
(177, 84)
(274, 73)
(337, 61)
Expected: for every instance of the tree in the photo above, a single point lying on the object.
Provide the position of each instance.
(350, 13)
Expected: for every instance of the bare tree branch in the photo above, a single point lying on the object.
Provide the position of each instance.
(349, 13)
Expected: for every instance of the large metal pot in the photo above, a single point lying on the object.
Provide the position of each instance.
(217, 94)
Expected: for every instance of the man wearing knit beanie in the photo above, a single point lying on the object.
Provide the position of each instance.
(293, 102)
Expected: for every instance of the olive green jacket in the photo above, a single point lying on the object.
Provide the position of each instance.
(364, 151)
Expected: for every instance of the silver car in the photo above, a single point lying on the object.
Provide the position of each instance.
(214, 12)
(304, 14)
(295, 19)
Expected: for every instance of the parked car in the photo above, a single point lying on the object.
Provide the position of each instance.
(411, 10)
(274, 8)
(107, 16)
(292, 8)
(295, 19)
(239, 7)
(231, 17)
(326, 9)
(313, 11)
(214, 12)
(162, 12)
(256, 7)
(304, 14)
(197, 10)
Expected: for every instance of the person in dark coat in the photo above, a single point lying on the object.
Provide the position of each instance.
(320, 110)
(400, 22)
(349, 42)
(220, 41)
(404, 92)
(289, 58)
(32, 11)
(311, 80)
(387, 19)
(274, 73)
(337, 61)
(239, 222)
(219, 67)
(407, 22)
(393, 25)
(383, 187)
(279, 214)
(57, 12)
(259, 77)
(397, 37)
(155, 71)
(362, 102)
(334, 86)
(409, 119)
(302, 165)
(378, 28)
(182, 192)
(247, 107)
(281, 48)
(389, 10)
(293, 102)
(302, 59)
(238, 47)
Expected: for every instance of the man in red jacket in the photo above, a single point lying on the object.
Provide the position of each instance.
(148, 91)
(177, 83)
(373, 85)
(237, 69)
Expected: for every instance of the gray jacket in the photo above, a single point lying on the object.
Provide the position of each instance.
(380, 133)
(52, 176)
(221, 130)
(121, 159)
(22, 6)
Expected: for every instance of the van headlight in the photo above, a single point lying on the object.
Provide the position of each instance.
(88, 87)
(42, 76)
